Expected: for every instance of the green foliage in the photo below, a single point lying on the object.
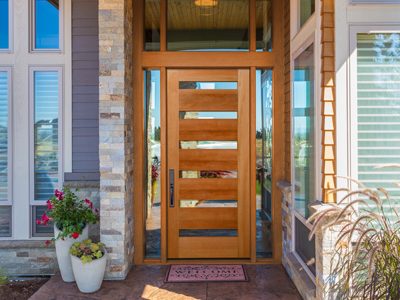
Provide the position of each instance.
(87, 251)
(69, 213)
(3, 277)
(366, 264)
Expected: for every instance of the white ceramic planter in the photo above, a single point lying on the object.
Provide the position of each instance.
(62, 251)
(89, 276)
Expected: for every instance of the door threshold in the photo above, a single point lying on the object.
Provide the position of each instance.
(265, 261)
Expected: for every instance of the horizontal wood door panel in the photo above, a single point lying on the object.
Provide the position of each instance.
(199, 247)
(208, 100)
(205, 159)
(208, 218)
(208, 130)
(208, 189)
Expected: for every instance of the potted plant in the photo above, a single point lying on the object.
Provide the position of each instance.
(71, 217)
(89, 262)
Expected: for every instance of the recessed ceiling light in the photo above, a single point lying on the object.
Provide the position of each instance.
(206, 3)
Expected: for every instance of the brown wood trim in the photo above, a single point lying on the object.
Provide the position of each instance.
(252, 25)
(163, 25)
(278, 131)
(138, 207)
(164, 141)
(208, 59)
(252, 134)
(164, 60)
(148, 261)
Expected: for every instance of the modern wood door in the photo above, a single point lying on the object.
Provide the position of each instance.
(208, 157)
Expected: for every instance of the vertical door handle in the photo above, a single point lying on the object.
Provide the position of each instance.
(171, 187)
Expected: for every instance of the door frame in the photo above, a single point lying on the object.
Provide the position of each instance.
(164, 60)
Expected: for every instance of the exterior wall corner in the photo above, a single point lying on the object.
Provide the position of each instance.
(115, 123)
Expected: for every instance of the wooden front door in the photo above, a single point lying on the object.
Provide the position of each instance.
(208, 161)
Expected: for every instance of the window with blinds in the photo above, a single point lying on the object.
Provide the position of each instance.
(378, 110)
(5, 208)
(46, 139)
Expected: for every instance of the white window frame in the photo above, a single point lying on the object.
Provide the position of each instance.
(301, 39)
(352, 103)
(8, 69)
(33, 30)
(32, 70)
(295, 26)
(10, 136)
(10, 28)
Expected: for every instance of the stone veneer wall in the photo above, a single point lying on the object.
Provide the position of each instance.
(116, 144)
(33, 258)
(325, 239)
(296, 272)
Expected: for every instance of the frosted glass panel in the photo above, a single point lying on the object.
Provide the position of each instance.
(46, 118)
(4, 160)
(378, 111)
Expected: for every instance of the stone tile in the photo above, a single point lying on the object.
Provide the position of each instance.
(147, 282)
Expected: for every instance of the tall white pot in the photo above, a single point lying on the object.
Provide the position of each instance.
(89, 276)
(62, 251)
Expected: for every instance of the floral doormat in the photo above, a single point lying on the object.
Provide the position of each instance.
(206, 273)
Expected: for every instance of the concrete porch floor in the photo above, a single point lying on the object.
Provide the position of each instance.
(147, 282)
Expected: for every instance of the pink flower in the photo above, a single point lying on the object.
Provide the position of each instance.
(45, 219)
(38, 222)
(89, 203)
(49, 205)
(75, 235)
(59, 194)
(47, 243)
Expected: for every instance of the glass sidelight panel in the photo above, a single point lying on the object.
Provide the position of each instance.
(264, 163)
(152, 170)
(303, 131)
(47, 24)
(208, 25)
(307, 8)
(152, 25)
(264, 25)
(4, 24)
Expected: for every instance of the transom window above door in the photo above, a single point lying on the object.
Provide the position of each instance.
(208, 25)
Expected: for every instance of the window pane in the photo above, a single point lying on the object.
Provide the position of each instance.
(4, 24)
(47, 24)
(303, 130)
(378, 108)
(46, 155)
(4, 98)
(307, 8)
(5, 221)
(264, 25)
(264, 162)
(152, 25)
(304, 247)
(153, 163)
(208, 25)
(40, 230)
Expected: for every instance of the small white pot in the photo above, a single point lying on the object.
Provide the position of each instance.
(89, 276)
(62, 251)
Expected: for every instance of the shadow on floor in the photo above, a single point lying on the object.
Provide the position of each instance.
(147, 282)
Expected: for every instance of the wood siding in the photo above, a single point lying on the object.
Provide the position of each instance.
(328, 100)
(85, 90)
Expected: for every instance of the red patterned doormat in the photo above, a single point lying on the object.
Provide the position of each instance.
(206, 273)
